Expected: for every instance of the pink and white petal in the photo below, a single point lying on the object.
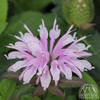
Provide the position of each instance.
(21, 75)
(34, 47)
(64, 40)
(78, 64)
(55, 71)
(13, 55)
(41, 31)
(83, 54)
(37, 81)
(45, 78)
(28, 29)
(29, 74)
(40, 71)
(66, 71)
(34, 62)
(79, 47)
(18, 65)
(68, 39)
(52, 37)
(28, 37)
(58, 53)
(86, 64)
(56, 32)
(76, 41)
(22, 46)
(75, 70)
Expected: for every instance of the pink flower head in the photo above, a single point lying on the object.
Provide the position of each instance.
(37, 59)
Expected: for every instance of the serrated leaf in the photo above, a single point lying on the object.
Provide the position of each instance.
(31, 19)
(38, 91)
(53, 89)
(90, 80)
(6, 88)
(29, 97)
(75, 82)
(16, 95)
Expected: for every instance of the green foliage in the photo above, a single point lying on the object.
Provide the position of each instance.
(16, 95)
(4, 64)
(1, 98)
(33, 5)
(31, 19)
(71, 97)
(50, 96)
(6, 88)
(29, 97)
(3, 15)
(90, 80)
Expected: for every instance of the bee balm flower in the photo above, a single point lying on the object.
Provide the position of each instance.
(46, 64)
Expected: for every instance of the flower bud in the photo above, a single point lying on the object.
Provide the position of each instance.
(80, 12)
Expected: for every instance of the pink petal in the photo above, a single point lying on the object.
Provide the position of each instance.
(75, 70)
(41, 32)
(45, 78)
(14, 55)
(66, 71)
(63, 41)
(21, 76)
(22, 46)
(56, 32)
(55, 71)
(18, 65)
(45, 42)
(29, 74)
(28, 29)
(52, 37)
(79, 47)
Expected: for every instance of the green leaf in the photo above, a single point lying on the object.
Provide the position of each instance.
(3, 10)
(6, 88)
(58, 9)
(1, 98)
(89, 79)
(3, 14)
(71, 97)
(31, 19)
(33, 5)
(4, 64)
(2, 26)
(50, 96)
(16, 95)
(29, 97)
(75, 82)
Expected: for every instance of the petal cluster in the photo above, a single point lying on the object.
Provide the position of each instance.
(36, 59)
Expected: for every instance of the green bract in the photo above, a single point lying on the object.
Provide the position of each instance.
(80, 12)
